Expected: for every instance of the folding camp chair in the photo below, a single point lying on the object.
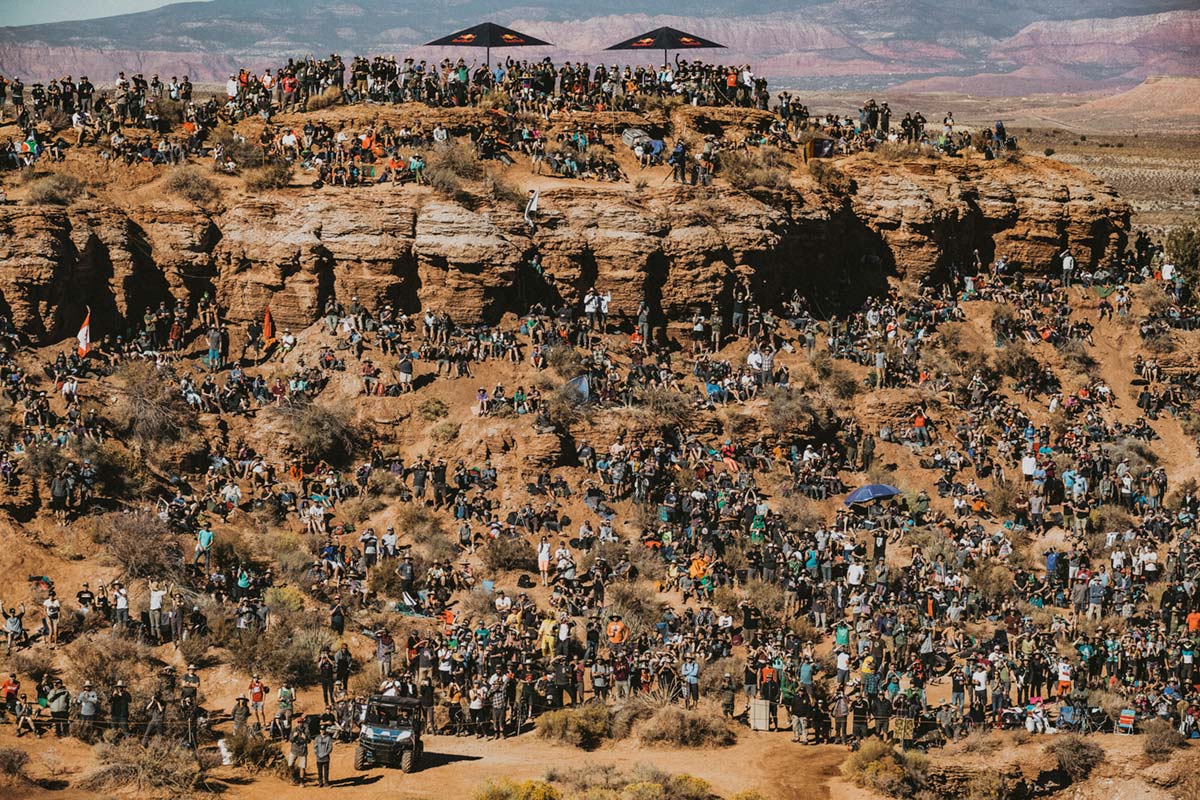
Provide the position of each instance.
(1067, 719)
(1126, 720)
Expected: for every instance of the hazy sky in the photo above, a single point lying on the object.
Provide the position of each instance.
(22, 12)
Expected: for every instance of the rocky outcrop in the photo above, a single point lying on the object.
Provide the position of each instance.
(677, 248)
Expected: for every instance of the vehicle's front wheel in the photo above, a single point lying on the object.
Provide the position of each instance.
(408, 761)
(360, 758)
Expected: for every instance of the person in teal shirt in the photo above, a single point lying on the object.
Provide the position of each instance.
(204, 544)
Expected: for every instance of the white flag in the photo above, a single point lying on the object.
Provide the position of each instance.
(531, 207)
(85, 335)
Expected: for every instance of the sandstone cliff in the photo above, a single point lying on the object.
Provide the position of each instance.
(678, 247)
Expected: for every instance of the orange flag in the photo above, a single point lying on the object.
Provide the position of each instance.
(85, 335)
(268, 328)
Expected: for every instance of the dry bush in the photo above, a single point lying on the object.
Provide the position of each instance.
(794, 412)
(764, 168)
(509, 553)
(57, 190)
(162, 769)
(191, 182)
(34, 663)
(287, 650)
(432, 409)
(676, 726)
(503, 193)
(253, 751)
(1016, 360)
(897, 151)
(150, 408)
(563, 359)
(1076, 755)
(834, 375)
(320, 433)
(801, 513)
(980, 741)
(1160, 740)
(830, 178)
(236, 147)
(330, 97)
(140, 543)
(584, 726)
(448, 166)
(988, 785)
(107, 657)
(13, 761)
(508, 789)
(663, 408)
(274, 175)
(447, 432)
(1183, 247)
(879, 766)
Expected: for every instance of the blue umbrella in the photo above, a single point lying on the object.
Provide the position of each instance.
(872, 491)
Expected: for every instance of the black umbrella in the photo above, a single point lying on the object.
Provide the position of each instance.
(489, 35)
(665, 39)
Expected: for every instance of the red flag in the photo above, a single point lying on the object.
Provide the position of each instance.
(268, 328)
(85, 335)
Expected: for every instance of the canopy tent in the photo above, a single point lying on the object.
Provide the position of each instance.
(488, 35)
(665, 39)
(871, 492)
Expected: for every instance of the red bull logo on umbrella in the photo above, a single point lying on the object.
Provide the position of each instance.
(466, 38)
(644, 42)
(511, 38)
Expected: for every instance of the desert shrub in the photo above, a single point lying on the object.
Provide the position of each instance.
(675, 726)
(833, 375)
(148, 407)
(993, 580)
(447, 167)
(509, 553)
(57, 190)
(792, 412)
(195, 650)
(446, 432)
(253, 751)
(191, 182)
(163, 768)
(34, 663)
(320, 433)
(287, 650)
(1160, 739)
(830, 178)
(664, 408)
(1183, 247)
(897, 151)
(988, 785)
(1076, 755)
(1075, 354)
(236, 147)
(764, 168)
(1049, 151)
(877, 765)
(749, 794)
(508, 789)
(432, 409)
(106, 657)
(801, 513)
(980, 741)
(583, 726)
(13, 761)
(330, 97)
(140, 543)
(503, 193)
(1160, 343)
(43, 460)
(273, 175)
(1015, 360)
